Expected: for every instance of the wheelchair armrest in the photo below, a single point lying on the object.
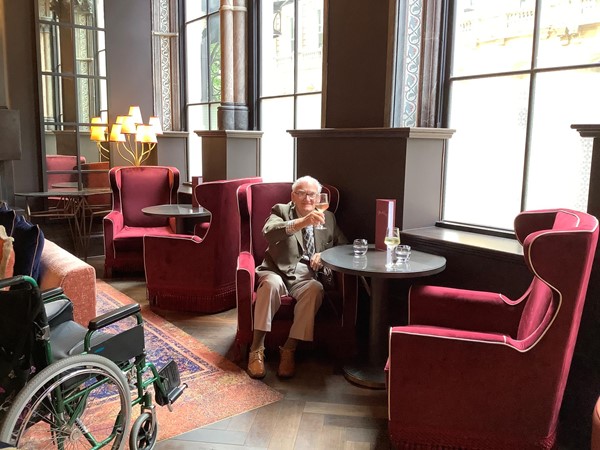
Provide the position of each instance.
(17, 280)
(113, 316)
(53, 292)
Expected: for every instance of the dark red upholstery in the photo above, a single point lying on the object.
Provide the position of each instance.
(478, 370)
(195, 273)
(134, 188)
(335, 321)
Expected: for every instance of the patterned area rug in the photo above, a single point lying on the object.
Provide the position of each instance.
(217, 387)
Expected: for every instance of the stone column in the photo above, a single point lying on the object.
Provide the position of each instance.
(233, 112)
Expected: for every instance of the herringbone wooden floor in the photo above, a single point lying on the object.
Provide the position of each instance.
(320, 409)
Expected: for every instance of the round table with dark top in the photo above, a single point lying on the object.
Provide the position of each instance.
(180, 212)
(370, 372)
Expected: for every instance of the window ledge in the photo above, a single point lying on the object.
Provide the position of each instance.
(465, 241)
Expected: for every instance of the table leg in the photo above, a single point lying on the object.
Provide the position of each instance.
(370, 373)
(181, 225)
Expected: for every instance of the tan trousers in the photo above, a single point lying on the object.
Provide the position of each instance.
(308, 294)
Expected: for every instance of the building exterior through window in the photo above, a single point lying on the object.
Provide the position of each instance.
(520, 74)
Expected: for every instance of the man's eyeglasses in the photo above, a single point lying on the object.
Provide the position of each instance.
(304, 194)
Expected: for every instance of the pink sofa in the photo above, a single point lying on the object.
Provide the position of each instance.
(59, 268)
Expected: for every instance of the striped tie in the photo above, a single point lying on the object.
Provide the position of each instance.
(309, 241)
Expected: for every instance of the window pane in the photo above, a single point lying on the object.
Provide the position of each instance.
(310, 45)
(308, 112)
(101, 59)
(484, 169)
(100, 14)
(102, 98)
(569, 33)
(277, 48)
(194, 155)
(84, 51)
(559, 169)
(194, 9)
(56, 45)
(214, 58)
(492, 36)
(277, 145)
(87, 90)
(198, 119)
(196, 60)
(213, 5)
(62, 10)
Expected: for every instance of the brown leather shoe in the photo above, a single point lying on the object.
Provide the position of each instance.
(287, 365)
(256, 363)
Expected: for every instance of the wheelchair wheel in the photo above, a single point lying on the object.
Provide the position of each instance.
(81, 401)
(144, 432)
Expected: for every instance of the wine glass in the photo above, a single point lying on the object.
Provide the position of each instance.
(321, 204)
(391, 241)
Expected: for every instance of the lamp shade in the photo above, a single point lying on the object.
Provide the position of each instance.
(98, 132)
(155, 123)
(128, 125)
(115, 133)
(145, 134)
(136, 114)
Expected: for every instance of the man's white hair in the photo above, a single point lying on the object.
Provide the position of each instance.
(306, 179)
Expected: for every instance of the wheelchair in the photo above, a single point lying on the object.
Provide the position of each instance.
(74, 387)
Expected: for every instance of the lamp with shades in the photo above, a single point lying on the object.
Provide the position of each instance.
(133, 139)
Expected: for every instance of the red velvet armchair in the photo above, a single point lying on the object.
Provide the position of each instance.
(197, 273)
(336, 320)
(478, 370)
(134, 188)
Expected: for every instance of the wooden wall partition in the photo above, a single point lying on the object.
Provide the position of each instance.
(370, 163)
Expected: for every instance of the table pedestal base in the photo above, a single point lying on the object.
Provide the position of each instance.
(365, 375)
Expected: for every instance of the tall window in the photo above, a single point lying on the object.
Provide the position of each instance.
(165, 62)
(72, 56)
(291, 61)
(203, 72)
(521, 72)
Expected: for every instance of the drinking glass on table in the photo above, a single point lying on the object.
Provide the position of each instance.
(321, 204)
(391, 241)
(402, 253)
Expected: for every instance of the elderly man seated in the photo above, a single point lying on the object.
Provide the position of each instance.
(291, 261)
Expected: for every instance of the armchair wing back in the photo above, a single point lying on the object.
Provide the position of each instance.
(134, 188)
(335, 321)
(479, 370)
(261, 198)
(197, 273)
(266, 195)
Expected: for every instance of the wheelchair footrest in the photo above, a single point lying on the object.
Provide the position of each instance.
(168, 388)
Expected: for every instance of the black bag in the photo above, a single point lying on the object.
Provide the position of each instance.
(327, 278)
(19, 308)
